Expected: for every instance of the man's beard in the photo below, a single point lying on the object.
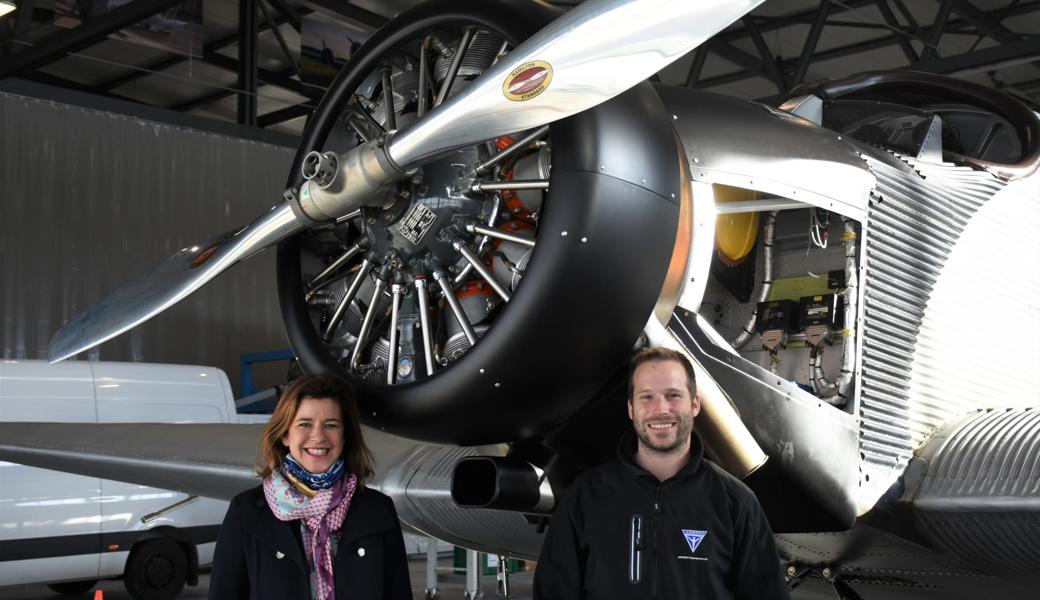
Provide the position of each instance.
(684, 428)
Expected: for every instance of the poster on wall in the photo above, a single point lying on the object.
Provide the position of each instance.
(325, 47)
(176, 29)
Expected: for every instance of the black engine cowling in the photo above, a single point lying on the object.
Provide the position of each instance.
(605, 239)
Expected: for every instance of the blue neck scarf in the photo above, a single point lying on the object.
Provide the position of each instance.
(315, 481)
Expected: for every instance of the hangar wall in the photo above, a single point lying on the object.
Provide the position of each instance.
(90, 199)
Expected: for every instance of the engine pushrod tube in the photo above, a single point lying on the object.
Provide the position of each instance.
(511, 150)
(456, 308)
(366, 325)
(335, 266)
(358, 130)
(517, 184)
(479, 266)
(389, 110)
(391, 367)
(501, 235)
(355, 285)
(349, 216)
(423, 76)
(367, 115)
(456, 62)
(424, 322)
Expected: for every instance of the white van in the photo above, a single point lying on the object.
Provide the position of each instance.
(68, 530)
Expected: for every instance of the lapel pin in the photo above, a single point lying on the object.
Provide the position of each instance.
(279, 555)
(360, 551)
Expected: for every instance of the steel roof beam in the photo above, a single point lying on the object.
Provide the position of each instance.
(738, 57)
(768, 60)
(1011, 53)
(57, 45)
(697, 66)
(811, 41)
(248, 62)
(890, 19)
(200, 101)
(281, 79)
(355, 14)
(984, 23)
(282, 115)
(289, 13)
(864, 46)
(935, 34)
(166, 63)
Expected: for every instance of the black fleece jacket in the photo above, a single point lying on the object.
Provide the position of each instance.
(259, 557)
(618, 532)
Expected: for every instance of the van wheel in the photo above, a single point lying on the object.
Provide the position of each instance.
(156, 570)
(72, 588)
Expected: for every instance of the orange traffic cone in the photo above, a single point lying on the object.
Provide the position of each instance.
(99, 595)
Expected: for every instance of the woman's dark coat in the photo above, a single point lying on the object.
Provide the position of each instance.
(259, 557)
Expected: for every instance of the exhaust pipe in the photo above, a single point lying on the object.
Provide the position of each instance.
(501, 483)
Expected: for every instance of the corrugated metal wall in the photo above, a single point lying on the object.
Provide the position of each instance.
(951, 320)
(89, 199)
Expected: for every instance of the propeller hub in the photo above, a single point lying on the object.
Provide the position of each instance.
(428, 212)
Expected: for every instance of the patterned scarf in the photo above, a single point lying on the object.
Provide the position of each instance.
(320, 516)
(314, 481)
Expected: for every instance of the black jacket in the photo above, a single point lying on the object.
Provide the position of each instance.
(259, 557)
(618, 532)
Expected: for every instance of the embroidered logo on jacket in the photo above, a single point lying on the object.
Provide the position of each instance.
(694, 537)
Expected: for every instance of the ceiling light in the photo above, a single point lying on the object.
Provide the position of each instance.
(6, 6)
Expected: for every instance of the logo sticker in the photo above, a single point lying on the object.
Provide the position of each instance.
(694, 537)
(527, 81)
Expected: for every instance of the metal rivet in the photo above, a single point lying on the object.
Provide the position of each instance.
(584, 240)
(482, 371)
(498, 385)
(360, 551)
(563, 234)
(675, 117)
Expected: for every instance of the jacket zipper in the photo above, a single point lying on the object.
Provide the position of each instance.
(635, 549)
(654, 527)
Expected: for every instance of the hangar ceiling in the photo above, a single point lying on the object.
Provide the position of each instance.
(762, 56)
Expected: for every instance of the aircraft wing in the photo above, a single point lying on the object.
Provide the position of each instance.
(214, 460)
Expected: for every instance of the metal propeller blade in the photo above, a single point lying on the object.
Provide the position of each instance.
(586, 57)
(591, 54)
(177, 277)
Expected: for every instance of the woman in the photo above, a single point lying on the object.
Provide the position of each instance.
(312, 530)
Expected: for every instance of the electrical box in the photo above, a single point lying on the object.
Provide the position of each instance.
(819, 315)
(776, 319)
(776, 315)
(826, 310)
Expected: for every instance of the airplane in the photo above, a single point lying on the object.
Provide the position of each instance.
(854, 275)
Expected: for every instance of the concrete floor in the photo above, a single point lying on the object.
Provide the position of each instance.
(450, 585)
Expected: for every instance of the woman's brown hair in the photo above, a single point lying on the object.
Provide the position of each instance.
(356, 456)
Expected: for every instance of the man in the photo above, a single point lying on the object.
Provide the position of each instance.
(661, 521)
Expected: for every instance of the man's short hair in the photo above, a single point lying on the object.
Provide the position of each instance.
(661, 355)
